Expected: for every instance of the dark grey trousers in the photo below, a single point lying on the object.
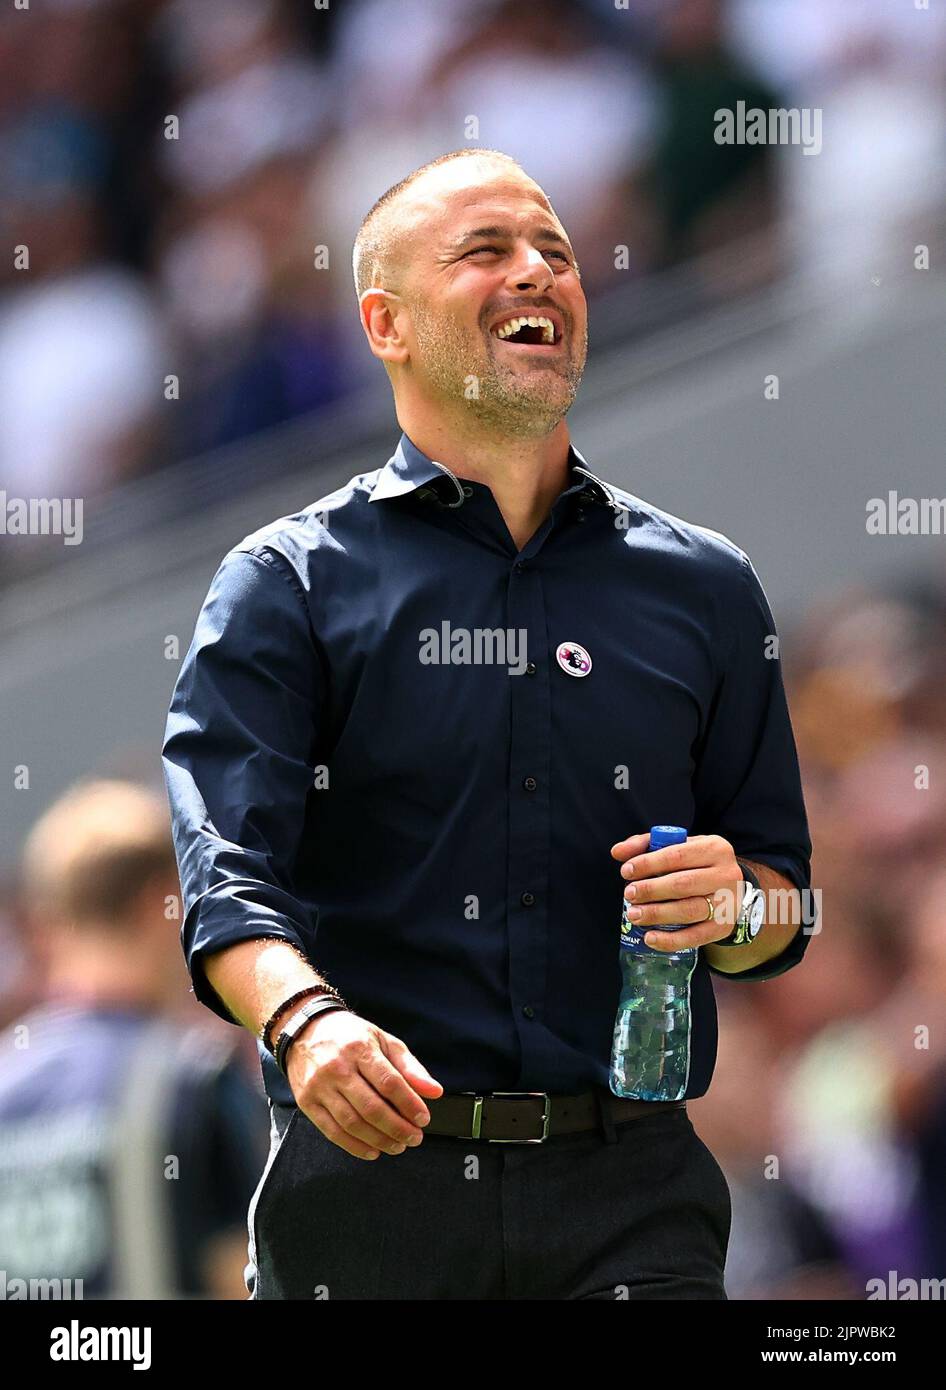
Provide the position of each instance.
(640, 1210)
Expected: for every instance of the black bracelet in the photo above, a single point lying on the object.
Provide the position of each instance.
(325, 990)
(299, 1021)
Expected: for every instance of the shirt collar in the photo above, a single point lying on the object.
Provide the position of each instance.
(410, 470)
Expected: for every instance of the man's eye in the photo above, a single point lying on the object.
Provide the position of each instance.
(496, 250)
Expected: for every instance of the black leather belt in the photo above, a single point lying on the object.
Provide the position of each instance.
(531, 1117)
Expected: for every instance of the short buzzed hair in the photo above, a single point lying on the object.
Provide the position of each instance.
(87, 858)
(378, 232)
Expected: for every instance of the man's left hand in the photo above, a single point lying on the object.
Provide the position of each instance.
(672, 885)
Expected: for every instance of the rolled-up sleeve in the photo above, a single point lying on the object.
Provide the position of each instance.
(238, 760)
(747, 783)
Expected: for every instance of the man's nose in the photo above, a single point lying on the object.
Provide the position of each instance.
(530, 271)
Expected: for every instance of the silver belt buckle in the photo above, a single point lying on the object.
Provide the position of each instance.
(478, 1115)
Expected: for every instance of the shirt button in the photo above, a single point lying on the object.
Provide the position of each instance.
(528, 1011)
(531, 668)
(527, 899)
(529, 783)
(467, 491)
(520, 566)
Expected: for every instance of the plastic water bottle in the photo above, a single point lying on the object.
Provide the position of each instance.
(650, 1058)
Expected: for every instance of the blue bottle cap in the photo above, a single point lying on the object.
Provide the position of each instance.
(663, 835)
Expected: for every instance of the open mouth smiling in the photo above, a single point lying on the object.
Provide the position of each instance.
(528, 330)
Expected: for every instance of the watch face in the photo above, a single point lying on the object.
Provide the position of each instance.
(756, 913)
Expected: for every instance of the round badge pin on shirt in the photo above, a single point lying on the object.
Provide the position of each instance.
(573, 658)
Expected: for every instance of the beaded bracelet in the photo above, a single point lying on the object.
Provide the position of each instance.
(325, 990)
(297, 1022)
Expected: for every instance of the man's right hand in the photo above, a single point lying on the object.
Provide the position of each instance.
(359, 1085)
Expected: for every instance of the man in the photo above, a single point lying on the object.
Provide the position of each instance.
(129, 1142)
(420, 726)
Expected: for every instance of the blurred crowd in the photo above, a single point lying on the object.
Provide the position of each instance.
(195, 257)
(828, 1107)
(182, 182)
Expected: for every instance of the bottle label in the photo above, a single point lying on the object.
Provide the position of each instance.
(632, 939)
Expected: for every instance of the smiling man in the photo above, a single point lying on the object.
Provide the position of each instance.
(484, 361)
(402, 871)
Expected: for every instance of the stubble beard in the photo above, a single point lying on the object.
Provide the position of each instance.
(466, 373)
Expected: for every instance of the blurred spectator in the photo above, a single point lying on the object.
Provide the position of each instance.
(876, 70)
(779, 1245)
(82, 344)
(862, 1095)
(237, 258)
(130, 1140)
(861, 1111)
(579, 117)
(81, 364)
(706, 193)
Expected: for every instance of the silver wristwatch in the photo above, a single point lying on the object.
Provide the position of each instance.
(751, 917)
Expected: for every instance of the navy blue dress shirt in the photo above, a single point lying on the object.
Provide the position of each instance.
(378, 749)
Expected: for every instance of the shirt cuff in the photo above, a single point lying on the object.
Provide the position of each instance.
(791, 954)
(227, 914)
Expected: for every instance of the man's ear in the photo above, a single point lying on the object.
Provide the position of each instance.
(379, 317)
